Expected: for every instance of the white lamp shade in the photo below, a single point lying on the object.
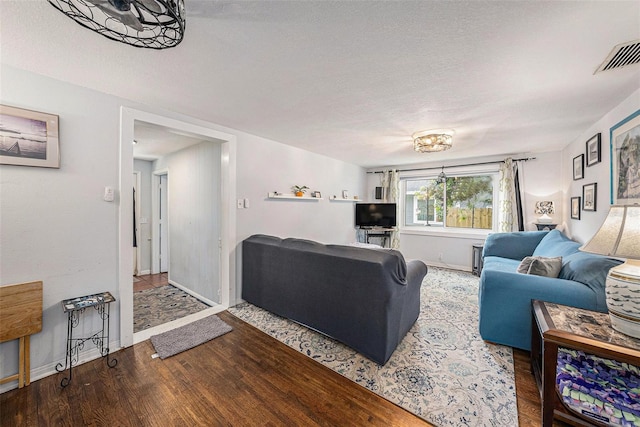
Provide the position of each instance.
(619, 235)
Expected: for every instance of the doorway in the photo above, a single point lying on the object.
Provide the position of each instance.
(226, 270)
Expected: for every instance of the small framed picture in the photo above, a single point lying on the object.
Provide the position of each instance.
(345, 194)
(593, 150)
(589, 197)
(316, 194)
(28, 138)
(578, 167)
(575, 207)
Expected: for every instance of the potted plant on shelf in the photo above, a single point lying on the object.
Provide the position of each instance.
(299, 190)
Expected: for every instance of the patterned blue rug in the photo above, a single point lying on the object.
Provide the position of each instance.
(442, 370)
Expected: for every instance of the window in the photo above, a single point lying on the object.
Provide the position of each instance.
(459, 202)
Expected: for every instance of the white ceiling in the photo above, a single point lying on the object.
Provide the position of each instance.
(354, 79)
(153, 141)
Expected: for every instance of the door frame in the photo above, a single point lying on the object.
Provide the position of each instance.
(128, 117)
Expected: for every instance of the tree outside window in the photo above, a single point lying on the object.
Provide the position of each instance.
(461, 202)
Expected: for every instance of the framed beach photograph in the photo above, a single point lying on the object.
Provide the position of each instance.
(589, 197)
(28, 138)
(625, 161)
(578, 167)
(593, 150)
(575, 207)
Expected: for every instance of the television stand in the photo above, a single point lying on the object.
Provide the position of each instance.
(378, 233)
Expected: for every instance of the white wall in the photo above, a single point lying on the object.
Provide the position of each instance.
(194, 219)
(582, 230)
(55, 227)
(541, 180)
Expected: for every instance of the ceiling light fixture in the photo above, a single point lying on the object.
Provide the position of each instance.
(153, 24)
(430, 141)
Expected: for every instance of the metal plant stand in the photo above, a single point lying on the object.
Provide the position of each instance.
(74, 308)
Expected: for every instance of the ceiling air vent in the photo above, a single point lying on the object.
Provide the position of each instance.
(621, 55)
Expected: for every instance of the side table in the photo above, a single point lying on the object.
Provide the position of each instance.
(545, 226)
(381, 233)
(554, 326)
(476, 259)
(74, 308)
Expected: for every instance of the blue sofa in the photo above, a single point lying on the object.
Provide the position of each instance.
(505, 295)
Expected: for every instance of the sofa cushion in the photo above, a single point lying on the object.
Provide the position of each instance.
(589, 269)
(516, 245)
(541, 266)
(500, 264)
(556, 244)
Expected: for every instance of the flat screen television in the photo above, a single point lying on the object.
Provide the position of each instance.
(375, 215)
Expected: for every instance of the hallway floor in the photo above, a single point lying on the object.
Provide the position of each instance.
(156, 301)
(150, 281)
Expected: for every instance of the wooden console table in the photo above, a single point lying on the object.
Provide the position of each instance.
(20, 317)
(555, 325)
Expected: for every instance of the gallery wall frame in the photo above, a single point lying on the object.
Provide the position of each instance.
(589, 196)
(593, 154)
(28, 138)
(625, 160)
(575, 207)
(578, 167)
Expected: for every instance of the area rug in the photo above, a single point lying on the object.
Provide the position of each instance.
(442, 370)
(153, 307)
(188, 336)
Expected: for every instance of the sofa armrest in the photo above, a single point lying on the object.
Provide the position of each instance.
(416, 271)
(516, 245)
(505, 303)
(525, 287)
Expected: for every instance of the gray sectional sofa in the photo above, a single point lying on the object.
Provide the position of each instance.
(365, 298)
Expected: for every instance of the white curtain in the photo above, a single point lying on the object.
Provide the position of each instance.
(507, 205)
(390, 182)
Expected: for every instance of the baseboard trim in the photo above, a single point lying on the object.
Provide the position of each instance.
(194, 294)
(50, 368)
(450, 266)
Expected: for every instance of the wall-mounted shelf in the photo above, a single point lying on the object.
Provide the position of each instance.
(340, 199)
(291, 197)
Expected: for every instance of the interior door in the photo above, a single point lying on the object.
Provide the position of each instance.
(163, 223)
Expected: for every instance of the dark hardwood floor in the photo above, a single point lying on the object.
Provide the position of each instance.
(242, 378)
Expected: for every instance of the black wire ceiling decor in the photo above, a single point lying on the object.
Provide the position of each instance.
(153, 24)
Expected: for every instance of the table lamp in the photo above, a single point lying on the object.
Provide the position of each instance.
(619, 237)
(545, 208)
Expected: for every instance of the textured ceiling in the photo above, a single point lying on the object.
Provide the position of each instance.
(354, 79)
